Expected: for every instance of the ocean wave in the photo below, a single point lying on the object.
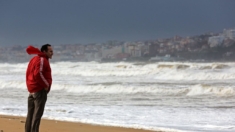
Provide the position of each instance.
(202, 89)
(171, 90)
(126, 77)
(135, 88)
(161, 70)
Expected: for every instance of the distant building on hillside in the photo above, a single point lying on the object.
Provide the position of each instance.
(111, 52)
(134, 50)
(229, 33)
(215, 41)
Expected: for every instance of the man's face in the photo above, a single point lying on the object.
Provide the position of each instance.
(49, 52)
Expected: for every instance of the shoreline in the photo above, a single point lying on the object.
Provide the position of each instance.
(10, 123)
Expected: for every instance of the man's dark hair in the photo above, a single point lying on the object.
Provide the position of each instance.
(45, 47)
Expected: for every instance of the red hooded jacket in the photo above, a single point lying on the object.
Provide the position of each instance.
(38, 74)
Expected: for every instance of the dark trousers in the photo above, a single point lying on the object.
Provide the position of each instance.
(36, 104)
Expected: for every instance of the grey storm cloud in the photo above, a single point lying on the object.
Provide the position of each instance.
(86, 21)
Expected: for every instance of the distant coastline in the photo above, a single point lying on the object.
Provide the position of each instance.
(207, 47)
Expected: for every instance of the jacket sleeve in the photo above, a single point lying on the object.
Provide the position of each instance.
(39, 73)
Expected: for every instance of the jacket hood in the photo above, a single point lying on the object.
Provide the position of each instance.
(32, 50)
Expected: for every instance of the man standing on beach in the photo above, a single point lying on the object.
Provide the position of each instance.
(38, 80)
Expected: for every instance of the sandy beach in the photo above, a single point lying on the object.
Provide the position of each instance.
(16, 124)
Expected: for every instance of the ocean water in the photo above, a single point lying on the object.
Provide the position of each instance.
(173, 97)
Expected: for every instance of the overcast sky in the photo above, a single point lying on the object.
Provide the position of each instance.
(24, 22)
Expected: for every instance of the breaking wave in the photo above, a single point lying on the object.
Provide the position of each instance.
(122, 77)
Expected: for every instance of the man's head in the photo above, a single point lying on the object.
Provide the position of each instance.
(47, 49)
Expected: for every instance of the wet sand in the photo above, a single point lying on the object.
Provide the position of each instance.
(16, 124)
